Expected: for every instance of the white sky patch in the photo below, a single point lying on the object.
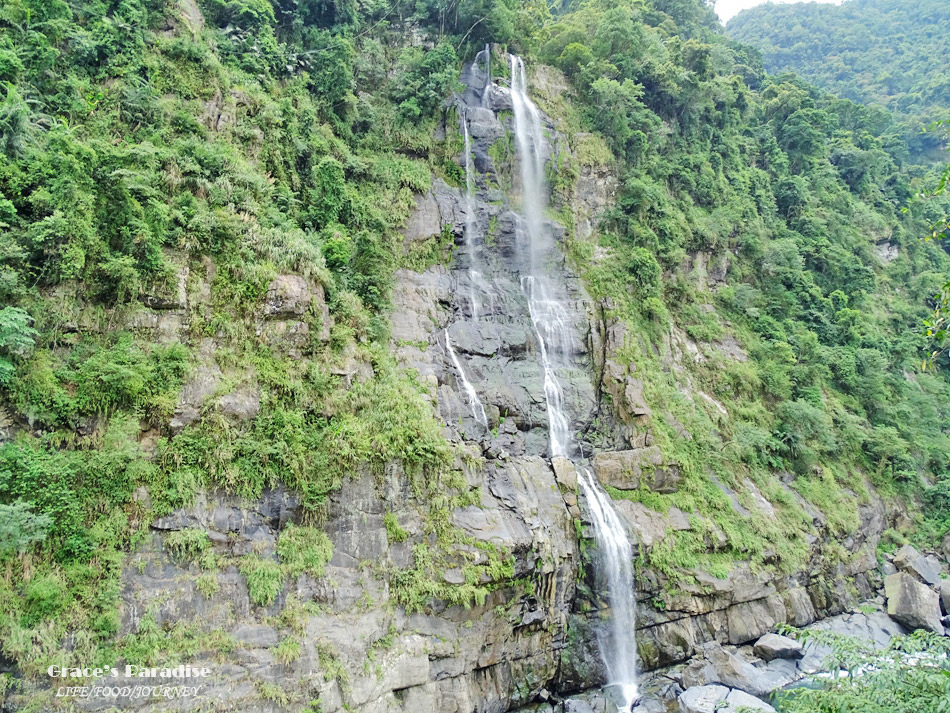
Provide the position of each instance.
(727, 9)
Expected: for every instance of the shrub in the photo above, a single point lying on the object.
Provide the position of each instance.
(265, 579)
(304, 549)
(20, 527)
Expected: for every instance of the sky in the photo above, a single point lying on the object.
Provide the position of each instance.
(728, 8)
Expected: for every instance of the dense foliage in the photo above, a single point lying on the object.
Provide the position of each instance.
(794, 191)
(910, 674)
(883, 53)
(144, 141)
(243, 139)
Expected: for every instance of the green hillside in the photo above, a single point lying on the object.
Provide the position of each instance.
(883, 53)
(246, 139)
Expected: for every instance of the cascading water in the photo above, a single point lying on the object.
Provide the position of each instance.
(478, 410)
(618, 650)
(478, 287)
(486, 90)
(548, 310)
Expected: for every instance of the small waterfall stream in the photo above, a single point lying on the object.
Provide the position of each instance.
(548, 310)
(471, 226)
(478, 410)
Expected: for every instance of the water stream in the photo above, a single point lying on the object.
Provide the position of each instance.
(478, 410)
(548, 310)
(470, 223)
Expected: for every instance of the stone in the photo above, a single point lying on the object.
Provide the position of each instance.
(945, 595)
(924, 569)
(204, 381)
(564, 473)
(575, 705)
(799, 608)
(774, 646)
(720, 666)
(406, 671)
(255, 636)
(911, 603)
(290, 296)
(739, 700)
(719, 699)
(425, 221)
(702, 699)
(626, 470)
(172, 295)
(750, 620)
(242, 404)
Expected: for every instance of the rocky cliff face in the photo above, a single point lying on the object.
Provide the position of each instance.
(355, 647)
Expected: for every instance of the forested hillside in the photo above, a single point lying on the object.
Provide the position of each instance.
(166, 165)
(882, 53)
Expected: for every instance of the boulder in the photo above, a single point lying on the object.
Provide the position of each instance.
(945, 595)
(913, 604)
(750, 620)
(719, 699)
(626, 470)
(924, 569)
(574, 705)
(702, 699)
(243, 404)
(773, 646)
(723, 667)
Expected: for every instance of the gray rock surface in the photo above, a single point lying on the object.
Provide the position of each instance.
(925, 569)
(719, 699)
(774, 646)
(912, 604)
(717, 665)
(626, 470)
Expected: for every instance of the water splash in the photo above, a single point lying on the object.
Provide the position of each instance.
(478, 410)
(552, 331)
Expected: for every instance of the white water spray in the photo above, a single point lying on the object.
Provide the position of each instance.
(478, 410)
(548, 310)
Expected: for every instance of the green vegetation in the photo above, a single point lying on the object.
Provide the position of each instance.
(265, 579)
(911, 674)
(304, 549)
(882, 53)
(132, 152)
(787, 191)
(159, 167)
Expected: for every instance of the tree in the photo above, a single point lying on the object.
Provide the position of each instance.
(911, 674)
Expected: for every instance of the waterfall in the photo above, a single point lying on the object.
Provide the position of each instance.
(486, 89)
(477, 285)
(478, 410)
(548, 310)
(618, 650)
